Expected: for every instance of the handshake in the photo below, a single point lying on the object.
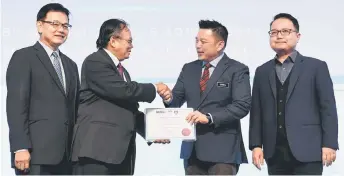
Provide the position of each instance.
(164, 92)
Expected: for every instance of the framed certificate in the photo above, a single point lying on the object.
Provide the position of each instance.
(169, 123)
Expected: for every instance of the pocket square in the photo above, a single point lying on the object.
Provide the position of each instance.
(222, 84)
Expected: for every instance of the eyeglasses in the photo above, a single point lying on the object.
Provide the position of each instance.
(130, 41)
(57, 25)
(284, 32)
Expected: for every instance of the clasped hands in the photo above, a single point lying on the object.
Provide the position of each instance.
(164, 91)
(166, 94)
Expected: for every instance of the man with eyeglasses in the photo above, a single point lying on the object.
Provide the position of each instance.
(293, 118)
(109, 116)
(42, 98)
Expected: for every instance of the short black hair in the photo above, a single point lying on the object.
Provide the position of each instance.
(219, 30)
(289, 17)
(111, 27)
(42, 13)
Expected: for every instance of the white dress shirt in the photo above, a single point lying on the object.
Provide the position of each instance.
(115, 60)
(50, 52)
(213, 64)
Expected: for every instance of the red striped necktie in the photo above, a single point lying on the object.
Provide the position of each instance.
(205, 77)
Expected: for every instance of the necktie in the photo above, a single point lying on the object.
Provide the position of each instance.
(57, 66)
(120, 69)
(205, 77)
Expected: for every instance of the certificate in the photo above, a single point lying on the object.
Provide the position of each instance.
(169, 123)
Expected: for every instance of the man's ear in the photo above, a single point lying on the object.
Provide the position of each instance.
(39, 26)
(220, 45)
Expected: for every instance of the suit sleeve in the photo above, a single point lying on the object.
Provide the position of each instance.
(178, 92)
(18, 82)
(77, 98)
(255, 129)
(140, 125)
(241, 99)
(104, 81)
(327, 104)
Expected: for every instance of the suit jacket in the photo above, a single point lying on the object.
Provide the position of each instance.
(310, 110)
(40, 114)
(108, 115)
(227, 98)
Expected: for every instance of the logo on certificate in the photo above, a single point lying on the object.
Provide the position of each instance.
(175, 112)
(186, 132)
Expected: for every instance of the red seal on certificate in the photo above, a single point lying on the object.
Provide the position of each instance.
(186, 132)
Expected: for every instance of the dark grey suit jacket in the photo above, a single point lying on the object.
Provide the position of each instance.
(227, 98)
(40, 114)
(108, 115)
(310, 115)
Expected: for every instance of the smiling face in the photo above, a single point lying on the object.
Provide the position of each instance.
(53, 29)
(208, 46)
(122, 44)
(283, 36)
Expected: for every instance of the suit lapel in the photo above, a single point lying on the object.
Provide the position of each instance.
(294, 77)
(109, 59)
(195, 77)
(67, 70)
(126, 74)
(45, 59)
(272, 78)
(217, 73)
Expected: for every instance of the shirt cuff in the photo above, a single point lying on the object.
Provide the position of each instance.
(156, 89)
(21, 150)
(211, 119)
(168, 102)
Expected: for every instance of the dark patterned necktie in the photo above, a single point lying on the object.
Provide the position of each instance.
(120, 69)
(205, 77)
(57, 67)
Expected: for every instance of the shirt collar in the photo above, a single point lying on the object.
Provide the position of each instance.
(292, 56)
(49, 50)
(113, 57)
(214, 62)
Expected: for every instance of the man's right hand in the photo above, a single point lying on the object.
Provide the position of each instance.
(22, 159)
(258, 157)
(164, 92)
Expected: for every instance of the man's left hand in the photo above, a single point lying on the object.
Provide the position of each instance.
(197, 117)
(328, 156)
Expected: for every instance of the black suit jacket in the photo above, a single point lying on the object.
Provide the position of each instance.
(310, 110)
(40, 114)
(108, 115)
(227, 98)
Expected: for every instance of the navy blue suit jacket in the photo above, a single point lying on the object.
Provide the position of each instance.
(310, 115)
(227, 98)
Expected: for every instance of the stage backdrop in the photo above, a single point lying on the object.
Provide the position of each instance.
(164, 38)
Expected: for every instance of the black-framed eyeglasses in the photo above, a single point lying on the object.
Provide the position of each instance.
(284, 32)
(130, 41)
(57, 25)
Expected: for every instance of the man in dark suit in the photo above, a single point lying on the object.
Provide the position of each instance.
(108, 118)
(293, 116)
(42, 98)
(218, 89)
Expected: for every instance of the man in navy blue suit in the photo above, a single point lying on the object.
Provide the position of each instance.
(293, 118)
(218, 89)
